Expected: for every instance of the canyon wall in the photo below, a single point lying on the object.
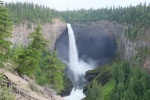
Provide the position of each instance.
(51, 31)
(100, 35)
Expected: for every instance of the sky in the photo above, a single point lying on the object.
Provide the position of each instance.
(78, 4)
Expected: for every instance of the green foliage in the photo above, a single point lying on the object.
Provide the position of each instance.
(135, 18)
(16, 51)
(51, 72)
(5, 93)
(107, 89)
(131, 80)
(128, 82)
(128, 15)
(139, 58)
(94, 92)
(29, 58)
(20, 12)
(36, 60)
(38, 42)
(27, 64)
(5, 33)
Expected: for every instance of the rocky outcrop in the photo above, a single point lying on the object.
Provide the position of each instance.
(51, 31)
(89, 76)
(127, 48)
(146, 63)
(68, 85)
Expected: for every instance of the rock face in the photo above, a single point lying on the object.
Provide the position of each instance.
(100, 35)
(51, 31)
(127, 48)
(67, 87)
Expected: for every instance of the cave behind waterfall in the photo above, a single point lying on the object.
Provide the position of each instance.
(95, 42)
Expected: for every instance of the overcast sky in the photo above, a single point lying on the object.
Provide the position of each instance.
(77, 4)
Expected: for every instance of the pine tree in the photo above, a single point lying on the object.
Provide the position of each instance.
(5, 33)
(53, 68)
(95, 92)
(29, 59)
(38, 42)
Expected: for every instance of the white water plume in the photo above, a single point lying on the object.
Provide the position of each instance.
(76, 94)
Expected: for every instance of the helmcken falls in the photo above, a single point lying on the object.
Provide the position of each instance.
(78, 66)
(73, 53)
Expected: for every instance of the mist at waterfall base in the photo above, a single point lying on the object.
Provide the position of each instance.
(78, 66)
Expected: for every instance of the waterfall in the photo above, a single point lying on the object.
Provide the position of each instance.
(77, 66)
(73, 53)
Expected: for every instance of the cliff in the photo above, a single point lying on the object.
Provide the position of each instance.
(127, 48)
(83, 32)
(51, 31)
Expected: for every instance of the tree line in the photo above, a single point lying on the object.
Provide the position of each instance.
(136, 18)
(20, 12)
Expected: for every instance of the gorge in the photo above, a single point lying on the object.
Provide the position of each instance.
(97, 43)
(78, 65)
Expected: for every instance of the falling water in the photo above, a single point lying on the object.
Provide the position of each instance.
(73, 53)
(77, 66)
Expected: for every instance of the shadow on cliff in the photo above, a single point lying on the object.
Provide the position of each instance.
(94, 43)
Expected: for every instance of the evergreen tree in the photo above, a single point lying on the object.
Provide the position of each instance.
(95, 92)
(38, 42)
(29, 59)
(53, 68)
(5, 33)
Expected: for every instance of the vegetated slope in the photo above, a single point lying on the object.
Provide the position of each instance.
(26, 60)
(127, 80)
(25, 89)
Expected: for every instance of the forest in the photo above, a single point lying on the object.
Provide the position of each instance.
(36, 61)
(136, 18)
(132, 83)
